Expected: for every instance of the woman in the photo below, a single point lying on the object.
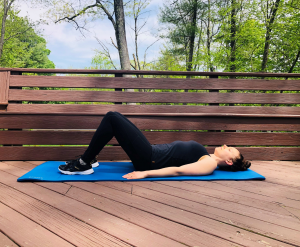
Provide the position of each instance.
(174, 159)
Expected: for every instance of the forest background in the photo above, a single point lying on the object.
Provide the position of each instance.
(194, 35)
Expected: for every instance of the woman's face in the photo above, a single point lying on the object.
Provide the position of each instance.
(227, 154)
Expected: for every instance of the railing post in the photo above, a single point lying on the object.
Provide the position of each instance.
(4, 86)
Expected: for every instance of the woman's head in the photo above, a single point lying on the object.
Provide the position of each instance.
(231, 159)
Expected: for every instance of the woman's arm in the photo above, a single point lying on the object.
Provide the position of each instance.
(203, 167)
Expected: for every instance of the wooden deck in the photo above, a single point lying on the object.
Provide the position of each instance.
(201, 213)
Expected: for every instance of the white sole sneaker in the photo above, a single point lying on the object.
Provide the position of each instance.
(87, 172)
(96, 164)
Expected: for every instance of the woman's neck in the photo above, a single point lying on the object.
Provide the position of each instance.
(217, 159)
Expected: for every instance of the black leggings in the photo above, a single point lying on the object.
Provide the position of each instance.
(131, 139)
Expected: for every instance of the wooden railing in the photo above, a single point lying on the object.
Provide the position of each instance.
(212, 117)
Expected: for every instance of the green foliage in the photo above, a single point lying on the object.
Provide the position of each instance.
(214, 34)
(23, 47)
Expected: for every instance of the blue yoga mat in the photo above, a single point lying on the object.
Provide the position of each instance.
(113, 171)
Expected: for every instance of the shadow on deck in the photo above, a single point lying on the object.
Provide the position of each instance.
(165, 213)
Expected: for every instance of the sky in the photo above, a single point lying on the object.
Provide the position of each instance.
(69, 49)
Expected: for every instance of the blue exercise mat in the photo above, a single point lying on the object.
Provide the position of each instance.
(113, 171)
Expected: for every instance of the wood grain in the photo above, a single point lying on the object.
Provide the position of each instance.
(246, 217)
(152, 83)
(5, 241)
(58, 137)
(162, 97)
(24, 231)
(33, 121)
(142, 110)
(191, 208)
(93, 217)
(147, 72)
(4, 86)
(117, 153)
(64, 226)
(102, 197)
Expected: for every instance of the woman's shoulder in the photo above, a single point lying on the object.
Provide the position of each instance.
(209, 160)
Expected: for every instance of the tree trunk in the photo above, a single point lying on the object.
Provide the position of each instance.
(233, 36)
(121, 35)
(294, 63)
(208, 39)
(192, 35)
(268, 35)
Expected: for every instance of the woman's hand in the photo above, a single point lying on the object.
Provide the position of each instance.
(135, 175)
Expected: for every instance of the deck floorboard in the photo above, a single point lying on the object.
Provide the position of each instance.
(165, 213)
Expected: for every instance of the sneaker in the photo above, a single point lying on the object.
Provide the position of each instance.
(74, 167)
(94, 162)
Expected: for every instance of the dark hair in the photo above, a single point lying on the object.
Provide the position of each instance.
(239, 164)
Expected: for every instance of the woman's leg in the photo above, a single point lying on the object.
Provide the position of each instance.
(127, 134)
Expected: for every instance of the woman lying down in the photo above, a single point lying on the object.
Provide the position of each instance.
(178, 158)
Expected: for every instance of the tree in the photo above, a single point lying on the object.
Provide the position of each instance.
(22, 46)
(269, 9)
(181, 18)
(80, 12)
(285, 48)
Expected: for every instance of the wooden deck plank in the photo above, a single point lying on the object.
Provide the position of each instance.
(233, 194)
(286, 164)
(177, 213)
(61, 188)
(272, 191)
(276, 177)
(194, 219)
(103, 221)
(6, 241)
(253, 219)
(25, 232)
(292, 171)
(242, 221)
(178, 232)
(72, 230)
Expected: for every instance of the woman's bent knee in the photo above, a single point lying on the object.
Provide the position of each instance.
(111, 113)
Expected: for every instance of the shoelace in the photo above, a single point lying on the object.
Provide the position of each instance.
(77, 157)
(70, 164)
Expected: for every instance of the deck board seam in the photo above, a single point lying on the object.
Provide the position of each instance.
(268, 222)
(205, 195)
(177, 222)
(239, 227)
(121, 240)
(32, 219)
(9, 236)
(192, 212)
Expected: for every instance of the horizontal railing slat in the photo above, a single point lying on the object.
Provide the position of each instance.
(152, 83)
(143, 110)
(147, 72)
(154, 137)
(162, 97)
(32, 121)
(116, 153)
